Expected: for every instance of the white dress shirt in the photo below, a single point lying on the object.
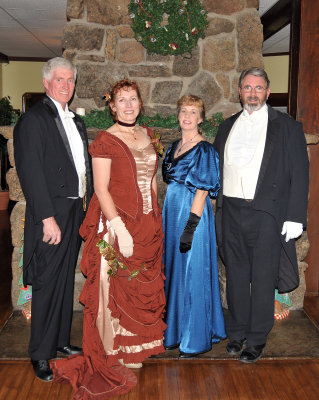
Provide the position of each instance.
(76, 144)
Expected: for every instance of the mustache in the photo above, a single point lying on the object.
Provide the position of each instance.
(252, 98)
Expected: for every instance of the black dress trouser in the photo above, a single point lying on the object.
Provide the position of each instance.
(53, 285)
(251, 248)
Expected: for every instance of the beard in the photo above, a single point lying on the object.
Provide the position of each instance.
(256, 105)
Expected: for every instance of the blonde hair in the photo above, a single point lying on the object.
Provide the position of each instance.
(191, 100)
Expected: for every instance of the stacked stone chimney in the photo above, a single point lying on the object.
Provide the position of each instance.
(99, 40)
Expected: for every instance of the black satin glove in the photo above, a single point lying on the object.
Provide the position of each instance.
(187, 236)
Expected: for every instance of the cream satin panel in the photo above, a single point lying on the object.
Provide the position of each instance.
(108, 326)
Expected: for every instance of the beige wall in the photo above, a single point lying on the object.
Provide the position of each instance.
(277, 68)
(19, 77)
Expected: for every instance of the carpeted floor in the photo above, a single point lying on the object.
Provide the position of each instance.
(295, 337)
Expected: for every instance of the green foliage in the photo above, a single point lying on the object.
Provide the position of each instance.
(114, 261)
(187, 21)
(210, 126)
(102, 119)
(6, 111)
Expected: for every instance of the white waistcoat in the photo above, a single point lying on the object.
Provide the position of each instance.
(241, 170)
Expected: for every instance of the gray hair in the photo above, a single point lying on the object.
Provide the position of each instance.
(256, 72)
(55, 63)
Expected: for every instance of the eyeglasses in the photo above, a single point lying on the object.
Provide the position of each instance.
(258, 89)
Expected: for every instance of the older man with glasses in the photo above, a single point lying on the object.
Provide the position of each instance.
(261, 209)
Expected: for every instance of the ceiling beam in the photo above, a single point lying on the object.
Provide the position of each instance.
(35, 59)
(4, 58)
(276, 18)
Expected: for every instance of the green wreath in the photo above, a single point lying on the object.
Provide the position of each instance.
(168, 26)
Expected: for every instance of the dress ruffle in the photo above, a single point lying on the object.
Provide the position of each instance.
(138, 304)
(89, 382)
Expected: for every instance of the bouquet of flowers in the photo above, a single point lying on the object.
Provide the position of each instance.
(114, 260)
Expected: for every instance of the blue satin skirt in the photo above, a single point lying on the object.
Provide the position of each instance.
(194, 315)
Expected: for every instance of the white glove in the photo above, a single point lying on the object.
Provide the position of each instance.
(123, 236)
(292, 230)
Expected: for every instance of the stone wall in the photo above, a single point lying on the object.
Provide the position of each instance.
(99, 40)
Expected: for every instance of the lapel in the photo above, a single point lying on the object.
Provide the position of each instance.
(269, 146)
(60, 127)
(79, 125)
(231, 120)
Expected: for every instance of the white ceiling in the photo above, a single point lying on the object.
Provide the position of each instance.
(33, 28)
(279, 42)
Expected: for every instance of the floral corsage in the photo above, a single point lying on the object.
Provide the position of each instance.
(156, 142)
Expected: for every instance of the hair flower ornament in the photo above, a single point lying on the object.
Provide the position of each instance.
(107, 97)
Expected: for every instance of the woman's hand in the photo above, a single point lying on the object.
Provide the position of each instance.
(187, 236)
(124, 238)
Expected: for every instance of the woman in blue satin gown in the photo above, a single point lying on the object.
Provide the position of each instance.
(194, 314)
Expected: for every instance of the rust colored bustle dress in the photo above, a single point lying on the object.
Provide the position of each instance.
(123, 319)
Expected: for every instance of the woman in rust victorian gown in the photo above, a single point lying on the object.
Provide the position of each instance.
(122, 314)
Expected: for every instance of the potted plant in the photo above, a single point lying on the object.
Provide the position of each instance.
(7, 117)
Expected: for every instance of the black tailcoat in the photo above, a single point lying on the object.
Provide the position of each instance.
(282, 186)
(49, 182)
(46, 170)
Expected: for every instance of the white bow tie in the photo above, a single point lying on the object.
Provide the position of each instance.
(68, 114)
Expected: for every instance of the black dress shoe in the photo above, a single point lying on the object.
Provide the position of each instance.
(192, 355)
(174, 346)
(235, 346)
(70, 350)
(252, 354)
(42, 370)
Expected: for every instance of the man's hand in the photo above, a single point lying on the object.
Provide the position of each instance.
(292, 230)
(51, 231)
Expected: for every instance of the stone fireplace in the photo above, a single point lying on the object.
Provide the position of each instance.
(99, 40)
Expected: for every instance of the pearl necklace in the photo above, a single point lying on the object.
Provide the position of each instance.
(188, 141)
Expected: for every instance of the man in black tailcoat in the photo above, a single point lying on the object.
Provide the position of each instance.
(54, 168)
(261, 210)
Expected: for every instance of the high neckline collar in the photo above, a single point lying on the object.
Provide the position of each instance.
(126, 124)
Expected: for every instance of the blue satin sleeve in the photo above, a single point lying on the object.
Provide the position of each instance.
(203, 171)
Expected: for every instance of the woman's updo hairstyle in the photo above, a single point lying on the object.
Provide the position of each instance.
(191, 100)
(124, 84)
